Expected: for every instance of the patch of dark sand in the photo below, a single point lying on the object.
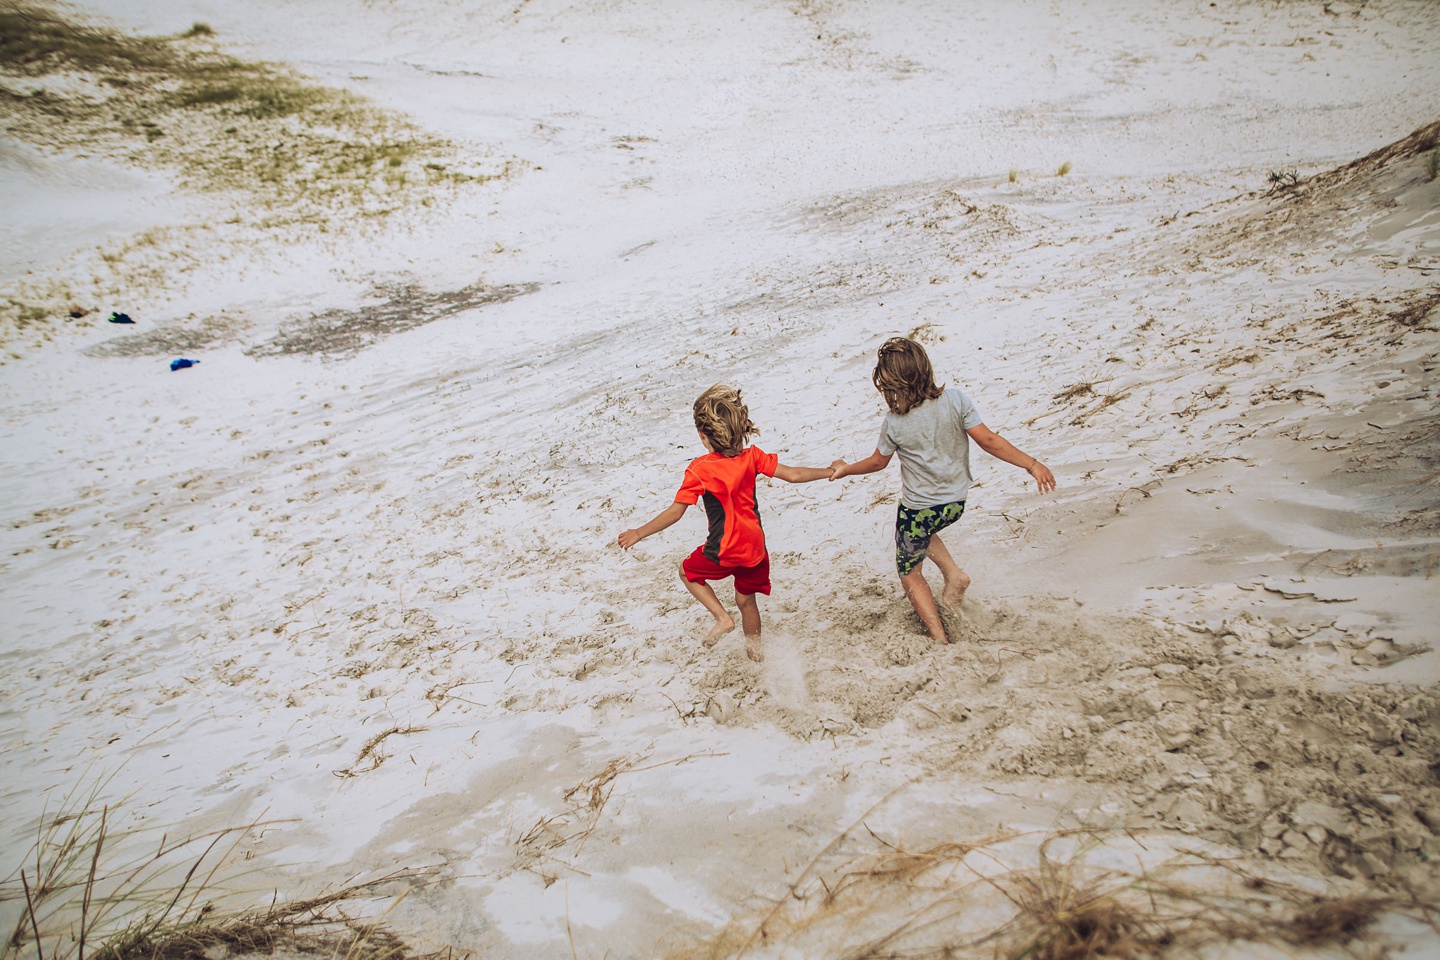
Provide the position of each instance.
(188, 336)
(344, 333)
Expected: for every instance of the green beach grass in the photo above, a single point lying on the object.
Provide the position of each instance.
(291, 152)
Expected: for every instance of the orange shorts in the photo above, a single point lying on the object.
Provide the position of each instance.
(700, 568)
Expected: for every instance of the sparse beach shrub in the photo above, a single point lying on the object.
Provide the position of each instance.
(1071, 901)
(1064, 169)
(1334, 921)
(1014, 175)
(1061, 915)
(91, 884)
(1283, 180)
(1432, 164)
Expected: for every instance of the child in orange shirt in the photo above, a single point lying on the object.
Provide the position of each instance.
(725, 478)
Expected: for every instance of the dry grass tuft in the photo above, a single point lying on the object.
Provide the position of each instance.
(552, 846)
(308, 926)
(991, 899)
(91, 885)
(1106, 402)
(899, 867)
(370, 756)
(1235, 359)
(1075, 391)
(926, 333)
(1098, 926)
(1082, 392)
(1334, 921)
(1415, 313)
(1069, 909)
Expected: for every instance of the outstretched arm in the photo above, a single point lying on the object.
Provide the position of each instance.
(662, 520)
(874, 463)
(1002, 449)
(800, 474)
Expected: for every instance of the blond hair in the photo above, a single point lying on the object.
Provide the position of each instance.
(723, 419)
(903, 375)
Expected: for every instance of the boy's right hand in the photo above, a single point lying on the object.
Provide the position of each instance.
(628, 538)
(837, 469)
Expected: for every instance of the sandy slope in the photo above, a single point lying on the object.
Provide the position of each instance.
(356, 571)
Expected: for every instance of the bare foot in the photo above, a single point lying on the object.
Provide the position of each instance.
(752, 647)
(955, 589)
(721, 628)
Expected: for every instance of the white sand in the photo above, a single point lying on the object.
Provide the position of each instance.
(221, 584)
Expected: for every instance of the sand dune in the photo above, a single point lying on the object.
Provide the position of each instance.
(355, 573)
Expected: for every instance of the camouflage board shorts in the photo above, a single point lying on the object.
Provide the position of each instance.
(914, 528)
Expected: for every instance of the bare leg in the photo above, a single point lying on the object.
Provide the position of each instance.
(724, 623)
(924, 602)
(957, 581)
(750, 622)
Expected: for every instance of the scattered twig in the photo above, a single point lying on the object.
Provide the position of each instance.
(30, 909)
(568, 932)
(800, 878)
(90, 881)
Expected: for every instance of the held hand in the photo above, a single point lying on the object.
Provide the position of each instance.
(628, 538)
(837, 469)
(1044, 479)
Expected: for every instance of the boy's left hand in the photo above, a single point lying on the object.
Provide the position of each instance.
(628, 538)
(1042, 476)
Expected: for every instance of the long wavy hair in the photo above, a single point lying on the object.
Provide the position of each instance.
(903, 375)
(724, 420)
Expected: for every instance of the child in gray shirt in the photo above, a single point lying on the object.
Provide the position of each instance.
(930, 428)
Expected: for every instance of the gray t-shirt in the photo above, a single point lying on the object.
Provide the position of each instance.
(934, 450)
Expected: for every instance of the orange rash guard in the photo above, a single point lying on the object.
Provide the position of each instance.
(728, 486)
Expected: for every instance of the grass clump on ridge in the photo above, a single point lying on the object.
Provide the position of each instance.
(291, 152)
(223, 123)
(36, 42)
(90, 887)
(1282, 180)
